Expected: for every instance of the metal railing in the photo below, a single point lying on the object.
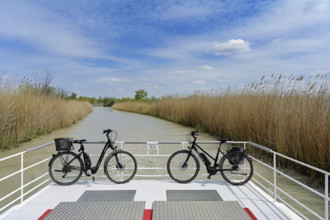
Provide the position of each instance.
(21, 173)
(276, 171)
(155, 146)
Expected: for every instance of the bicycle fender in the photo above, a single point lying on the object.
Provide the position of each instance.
(53, 155)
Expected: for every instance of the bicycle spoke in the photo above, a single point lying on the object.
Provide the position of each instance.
(63, 173)
(120, 167)
(181, 167)
(237, 168)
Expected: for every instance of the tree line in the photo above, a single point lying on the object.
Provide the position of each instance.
(140, 95)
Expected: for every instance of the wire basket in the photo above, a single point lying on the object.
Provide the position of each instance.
(63, 144)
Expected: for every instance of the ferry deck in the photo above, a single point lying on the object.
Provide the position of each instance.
(148, 198)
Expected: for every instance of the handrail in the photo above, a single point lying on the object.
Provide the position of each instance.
(325, 196)
(21, 171)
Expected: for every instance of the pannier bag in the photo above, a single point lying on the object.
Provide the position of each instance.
(236, 155)
(63, 144)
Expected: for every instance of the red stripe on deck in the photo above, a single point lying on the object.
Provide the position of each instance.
(248, 211)
(147, 214)
(45, 214)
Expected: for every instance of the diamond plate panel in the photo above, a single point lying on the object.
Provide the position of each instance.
(107, 195)
(192, 195)
(97, 210)
(198, 210)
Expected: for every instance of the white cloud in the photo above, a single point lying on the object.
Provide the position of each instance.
(205, 67)
(4, 77)
(178, 72)
(169, 10)
(199, 82)
(45, 31)
(112, 80)
(229, 47)
(315, 5)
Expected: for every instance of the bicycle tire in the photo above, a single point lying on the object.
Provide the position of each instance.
(126, 168)
(62, 173)
(175, 169)
(244, 167)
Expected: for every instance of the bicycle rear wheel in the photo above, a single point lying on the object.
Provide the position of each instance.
(181, 168)
(120, 167)
(236, 168)
(65, 168)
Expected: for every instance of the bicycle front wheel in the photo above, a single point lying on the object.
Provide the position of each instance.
(183, 166)
(65, 168)
(236, 168)
(120, 167)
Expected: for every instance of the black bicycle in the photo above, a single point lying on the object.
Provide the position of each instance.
(235, 166)
(66, 167)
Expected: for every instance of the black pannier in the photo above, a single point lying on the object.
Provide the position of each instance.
(235, 155)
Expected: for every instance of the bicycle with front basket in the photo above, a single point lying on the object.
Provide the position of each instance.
(66, 167)
(235, 165)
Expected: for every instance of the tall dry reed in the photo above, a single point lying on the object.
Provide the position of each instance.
(289, 115)
(25, 114)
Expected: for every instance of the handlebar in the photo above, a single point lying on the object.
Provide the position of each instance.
(194, 133)
(108, 131)
(113, 135)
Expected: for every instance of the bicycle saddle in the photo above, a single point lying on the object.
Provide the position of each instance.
(79, 141)
(222, 140)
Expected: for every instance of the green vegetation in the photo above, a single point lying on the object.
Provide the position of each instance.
(140, 94)
(290, 115)
(32, 107)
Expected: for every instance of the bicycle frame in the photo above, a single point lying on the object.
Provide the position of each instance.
(96, 167)
(195, 147)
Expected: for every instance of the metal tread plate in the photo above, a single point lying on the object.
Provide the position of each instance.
(198, 210)
(107, 195)
(98, 210)
(192, 195)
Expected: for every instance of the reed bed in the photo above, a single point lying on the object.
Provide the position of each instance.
(25, 114)
(289, 115)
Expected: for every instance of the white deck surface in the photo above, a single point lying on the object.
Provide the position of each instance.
(249, 196)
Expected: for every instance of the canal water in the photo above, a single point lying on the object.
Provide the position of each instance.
(129, 127)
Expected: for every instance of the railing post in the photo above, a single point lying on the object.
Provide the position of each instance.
(326, 193)
(22, 177)
(275, 186)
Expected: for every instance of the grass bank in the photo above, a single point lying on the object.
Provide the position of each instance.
(289, 115)
(25, 114)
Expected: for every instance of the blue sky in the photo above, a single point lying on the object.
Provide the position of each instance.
(115, 47)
